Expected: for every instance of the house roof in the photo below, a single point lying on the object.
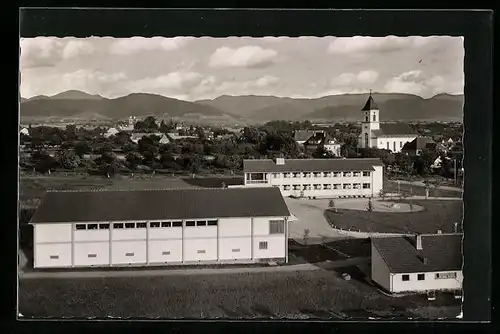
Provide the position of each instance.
(310, 165)
(321, 138)
(125, 205)
(419, 143)
(393, 129)
(138, 135)
(370, 104)
(443, 253)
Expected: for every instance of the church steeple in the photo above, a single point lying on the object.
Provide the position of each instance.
(370, 103)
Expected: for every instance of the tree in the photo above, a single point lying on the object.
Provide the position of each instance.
(370, 205)
(43, 162)
(134, 159)
(150, 123)
(68, 159)
(322, 153)
(82, 148)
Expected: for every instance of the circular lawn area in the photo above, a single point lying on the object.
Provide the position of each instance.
(432, 215)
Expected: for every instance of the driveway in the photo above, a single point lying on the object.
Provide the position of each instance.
(310, 215)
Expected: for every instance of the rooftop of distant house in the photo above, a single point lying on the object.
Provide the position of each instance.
(309, 165)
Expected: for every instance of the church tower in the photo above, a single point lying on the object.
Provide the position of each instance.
(371, 122)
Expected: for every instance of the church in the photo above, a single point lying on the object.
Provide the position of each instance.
(388, 136)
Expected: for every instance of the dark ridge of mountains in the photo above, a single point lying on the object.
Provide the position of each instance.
(79, 104)
(345, 107)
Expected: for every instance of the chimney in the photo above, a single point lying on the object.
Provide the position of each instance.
(280, 161)
(455, 229)
(440, 232)
(418, 243)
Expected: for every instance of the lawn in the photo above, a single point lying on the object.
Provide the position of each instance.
(437, 215)
(315, 294)
(392, 187)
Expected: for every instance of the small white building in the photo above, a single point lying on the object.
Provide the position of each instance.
(176, 136)
(301, 136)
(389, 136)
(321, 139)
(327, 178)
(25, 131)
(423, 263)
(160, 227)
(135, 137)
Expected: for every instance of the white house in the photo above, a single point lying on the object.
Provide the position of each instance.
(111, 132)
(327, 178)
(321, 139)
(160, 227)
(390, 136)
(25, 131)
(301, 136)
(423, 263)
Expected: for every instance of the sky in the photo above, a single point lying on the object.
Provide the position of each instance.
(190, 68)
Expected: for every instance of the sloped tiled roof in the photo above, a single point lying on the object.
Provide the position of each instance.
(442, 251)
(310, 165)
(393, 129)
(419, 143)
(302, 135)
(116, 205)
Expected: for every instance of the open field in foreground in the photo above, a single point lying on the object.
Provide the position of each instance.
(436, 215)
(416, 190)
(308, 294)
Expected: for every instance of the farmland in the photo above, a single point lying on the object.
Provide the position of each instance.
(313, 294)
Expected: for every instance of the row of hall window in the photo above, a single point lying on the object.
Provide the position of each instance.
(319, 174)
(336, 186)
(145, 225)
(421, 277)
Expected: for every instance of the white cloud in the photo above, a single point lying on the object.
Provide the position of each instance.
(361, 45)
(246, 56)
(416, 82)
(48, 51)
(171, 83)
(266, 81)
(126, 46)
(363, 77)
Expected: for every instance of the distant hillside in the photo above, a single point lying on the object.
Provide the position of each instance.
(79, 104)
(345, 107)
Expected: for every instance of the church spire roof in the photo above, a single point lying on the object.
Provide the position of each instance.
(370, 103)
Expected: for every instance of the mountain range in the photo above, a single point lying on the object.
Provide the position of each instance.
(245, 109)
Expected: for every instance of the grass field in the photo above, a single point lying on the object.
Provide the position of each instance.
(437, 215)
(314, 294)
(392, 187)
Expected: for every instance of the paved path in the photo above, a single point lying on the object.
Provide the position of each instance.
(191, 271)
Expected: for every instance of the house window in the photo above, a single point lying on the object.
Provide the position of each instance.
(307, 174)
(388, 146)
(141, 225)
(317, 187)
(276, 175)
(400, 144)
(327, 174)
(236, 250)
(177, 224)
(296, 175)
(263, 245)
(296, 187)
(356, 174)
(129, 254)
(366, 186)
(446, 275)
(104, 226)
(129, 225)
(80, 226)
(92, 255)
(165, 253)
(347, 186)
(201, 251)
(347, 174)
(336, 186)
(92, 226)
(286, 187)
(154, 224)
(327, 186)
(394, 146)
(54, 257)
(276, 226)
(286, 175)
(374, 117)
(118, 225)
(366, 173)
(421, 277)
(405, 278)
(190, 223)
(201, 223)
(356, 185)
(336, 174)
(212, 223)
